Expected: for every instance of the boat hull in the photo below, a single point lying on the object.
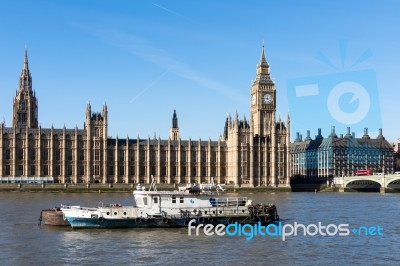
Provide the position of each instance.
(82, 222)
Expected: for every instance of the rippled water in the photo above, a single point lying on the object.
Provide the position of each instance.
(23, 242)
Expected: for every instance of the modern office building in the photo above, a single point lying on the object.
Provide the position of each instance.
(342, 155)
(251, 152)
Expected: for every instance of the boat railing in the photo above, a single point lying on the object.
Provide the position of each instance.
(212, 212)
(228, 201)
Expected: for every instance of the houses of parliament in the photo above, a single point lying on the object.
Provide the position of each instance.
(251, 152)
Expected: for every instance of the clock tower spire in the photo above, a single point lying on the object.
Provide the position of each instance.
(262, 97)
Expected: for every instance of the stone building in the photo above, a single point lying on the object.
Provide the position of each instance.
(253, 152)
(336, 156)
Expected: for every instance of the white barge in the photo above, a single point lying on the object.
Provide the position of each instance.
(171, 209)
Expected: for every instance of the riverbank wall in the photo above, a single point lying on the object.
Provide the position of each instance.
(115, 188)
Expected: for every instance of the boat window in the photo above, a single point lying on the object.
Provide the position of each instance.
(173, 199)
(155, 200)
(144, 200)
(181, 200)
(139, 201)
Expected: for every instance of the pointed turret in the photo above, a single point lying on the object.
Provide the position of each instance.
(174, 131)
(263, 61)
(25, 80)
(174, 120)
(25, 109)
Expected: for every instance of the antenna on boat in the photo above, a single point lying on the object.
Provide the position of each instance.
(153, 184)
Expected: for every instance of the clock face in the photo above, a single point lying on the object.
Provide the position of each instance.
(253, 99)
(267, 98)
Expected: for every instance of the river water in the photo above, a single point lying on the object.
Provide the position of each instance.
(23, 242)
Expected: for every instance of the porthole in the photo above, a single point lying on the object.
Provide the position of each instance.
(220, 212)
(115, 213)
(124, 213)
(205, 212)
(108, 213)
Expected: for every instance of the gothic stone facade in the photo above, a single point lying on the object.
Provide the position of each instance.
(252, 152)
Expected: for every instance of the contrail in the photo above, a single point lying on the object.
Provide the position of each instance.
(169, 10)
(154, 82)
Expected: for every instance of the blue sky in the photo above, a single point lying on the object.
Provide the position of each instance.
(145, 58)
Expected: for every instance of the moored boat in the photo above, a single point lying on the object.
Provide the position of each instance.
(154, 208)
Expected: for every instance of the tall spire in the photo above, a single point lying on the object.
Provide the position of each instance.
(174, 120)
(174, 131)
(263, 74)
(25, 78)
(25, 106)
(263, 61)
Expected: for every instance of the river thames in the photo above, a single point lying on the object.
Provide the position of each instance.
(23, 242)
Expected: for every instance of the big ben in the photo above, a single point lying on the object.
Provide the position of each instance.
(263, 98)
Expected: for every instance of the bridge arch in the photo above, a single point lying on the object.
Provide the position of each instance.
(362, 178)
(390, 180)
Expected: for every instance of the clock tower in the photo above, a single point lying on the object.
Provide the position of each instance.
(262, 99)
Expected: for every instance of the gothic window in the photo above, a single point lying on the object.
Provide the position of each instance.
(20, 170)
(173, 155)
(33, 170)
(193, 171)
(81, 155)
(213, 157)
(184, 171)
(121, 170)
(45, 170)
(213, 171)
(45, 155)
(173, 171)
(132, 170)
(69, 155)
(33, 155)
(204, 156)
(97, 155)
(8, 154)
(97, 170)
(110, 156)
(163, 171)
(57, 170)
(69, 170)
(81, 170)
(8, 170)
(20, 154)
(111, 170)
(22, 105)
(57, 155)
(121, 155)
(163, 155)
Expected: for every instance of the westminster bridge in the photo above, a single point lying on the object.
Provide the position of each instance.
(384, 182)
